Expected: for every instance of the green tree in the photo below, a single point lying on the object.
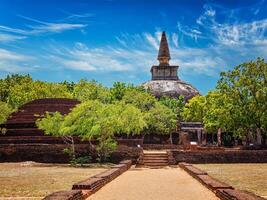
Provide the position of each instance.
(160, 120)
(51, 124)
(5, 111)
(140, 99)
(246, 86)
(176, 105)
(117, 91)
(91, 90)
(10, 81)
(29, 90)
(95, 121)
(194, 110)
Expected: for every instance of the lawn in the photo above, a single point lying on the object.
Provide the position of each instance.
(29, 179)
(250, 177)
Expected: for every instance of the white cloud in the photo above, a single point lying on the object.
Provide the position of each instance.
(55, 27)
(230, 32)
(175, 39)
(242, 33)
(136, 58)
(12, 62)
(80, 57)
(8, 34)
(190, 32)
(152, 40)
(10, 38)
(12, 56)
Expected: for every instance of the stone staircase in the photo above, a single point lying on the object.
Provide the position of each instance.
(154, 159)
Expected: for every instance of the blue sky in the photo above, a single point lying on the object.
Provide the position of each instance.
(117, 40)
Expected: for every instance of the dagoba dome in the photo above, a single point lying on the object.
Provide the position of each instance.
(165, 81)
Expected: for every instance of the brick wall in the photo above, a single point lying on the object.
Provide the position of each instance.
(53, 153)
(238, 156)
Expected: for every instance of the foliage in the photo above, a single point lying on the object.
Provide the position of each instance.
(91, 90)
(194, 110)
(69, 85)
(140, 99)
(246, 87)
(176, 105)
(217, 112)
(160, 119)
(117, 91)
(51, 123)
(18, 89)
(80, 161)
(10, 81)
(5, 111)
(238, 104)
(105, 147)
(93, 120)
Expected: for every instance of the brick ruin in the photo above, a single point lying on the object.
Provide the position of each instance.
(20, 126)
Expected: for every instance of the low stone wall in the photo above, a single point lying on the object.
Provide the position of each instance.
(222, 190)
(85, 188)
(235, 156)
(65, 195)
(53, 153)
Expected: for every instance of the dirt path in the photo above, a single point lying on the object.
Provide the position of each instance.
(154, 184)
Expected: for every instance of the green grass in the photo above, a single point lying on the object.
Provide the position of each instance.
(250, 177)
(30, 179)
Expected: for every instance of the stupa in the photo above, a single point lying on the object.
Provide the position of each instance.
(165, 80)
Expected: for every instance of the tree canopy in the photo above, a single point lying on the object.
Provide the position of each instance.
(237, 105)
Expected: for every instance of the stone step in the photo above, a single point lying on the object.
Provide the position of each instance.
(154, 158)
(148, 156)
(155, 161)
(154, 155)
(155, 164)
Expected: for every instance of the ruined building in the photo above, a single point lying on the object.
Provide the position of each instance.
(165, 80)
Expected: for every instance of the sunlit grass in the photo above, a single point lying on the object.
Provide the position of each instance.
(250, 177)
(38, 180)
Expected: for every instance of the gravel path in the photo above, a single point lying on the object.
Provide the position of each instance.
(154, 184)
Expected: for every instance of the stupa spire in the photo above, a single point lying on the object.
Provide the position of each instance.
(164, 52)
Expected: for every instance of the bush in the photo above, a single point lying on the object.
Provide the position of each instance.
(80, 161)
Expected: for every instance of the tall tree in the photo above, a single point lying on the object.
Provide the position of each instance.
(246, 86)
(160, 120)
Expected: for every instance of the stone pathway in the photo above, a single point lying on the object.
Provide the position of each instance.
(154, 184)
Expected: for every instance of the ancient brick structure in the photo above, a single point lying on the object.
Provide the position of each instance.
(20, 126)
(165, 80)
(164, 71)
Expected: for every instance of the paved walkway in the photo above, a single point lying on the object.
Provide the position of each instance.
(154, 184)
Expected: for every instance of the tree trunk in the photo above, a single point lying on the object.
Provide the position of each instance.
(171, 138)
(219, 136)
(259, 136)
(73, 147)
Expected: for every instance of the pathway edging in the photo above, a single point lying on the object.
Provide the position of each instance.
(222, 190)
(85, 188)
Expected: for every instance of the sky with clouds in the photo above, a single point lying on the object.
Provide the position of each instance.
(117, 40)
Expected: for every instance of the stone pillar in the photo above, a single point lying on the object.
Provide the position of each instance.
(219, 136)
(259, 137)
(204, 137)
(199, 137)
